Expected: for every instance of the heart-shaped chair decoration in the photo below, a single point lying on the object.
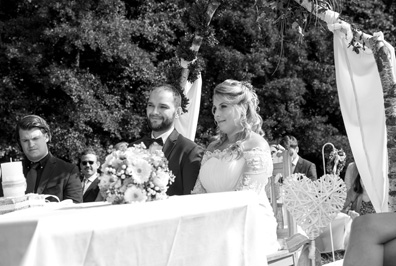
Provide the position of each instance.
(314, 204)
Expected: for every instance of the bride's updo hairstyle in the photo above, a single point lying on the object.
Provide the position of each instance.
(245, 100)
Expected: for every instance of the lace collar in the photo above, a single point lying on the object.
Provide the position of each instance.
(232, 152)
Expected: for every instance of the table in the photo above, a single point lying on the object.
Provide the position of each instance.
(207, 229)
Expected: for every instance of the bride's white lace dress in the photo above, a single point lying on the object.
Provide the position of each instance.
(225, 170)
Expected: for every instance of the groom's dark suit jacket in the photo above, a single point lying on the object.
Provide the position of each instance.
(307, 168)
(184, 158)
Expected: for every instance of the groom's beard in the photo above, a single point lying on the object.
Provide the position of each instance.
(165, 125)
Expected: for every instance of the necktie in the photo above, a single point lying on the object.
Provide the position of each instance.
(85, 184)
(293, 167)
(31, 178)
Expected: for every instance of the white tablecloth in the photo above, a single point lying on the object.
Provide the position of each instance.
(208, 229)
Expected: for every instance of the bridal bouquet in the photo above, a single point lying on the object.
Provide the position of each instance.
(135, 174)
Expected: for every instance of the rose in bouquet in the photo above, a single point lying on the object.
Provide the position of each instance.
(135, 174)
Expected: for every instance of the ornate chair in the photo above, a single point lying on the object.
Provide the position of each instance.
(286, 224)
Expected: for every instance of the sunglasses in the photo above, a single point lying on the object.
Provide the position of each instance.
(87, 162)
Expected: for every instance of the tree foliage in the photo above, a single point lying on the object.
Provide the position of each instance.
(87, 66)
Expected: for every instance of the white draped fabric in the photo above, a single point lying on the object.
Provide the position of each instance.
(362, 106)
(187, 122)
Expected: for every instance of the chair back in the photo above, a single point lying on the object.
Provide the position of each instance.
(286, 224)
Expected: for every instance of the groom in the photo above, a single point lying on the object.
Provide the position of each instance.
(184, 156)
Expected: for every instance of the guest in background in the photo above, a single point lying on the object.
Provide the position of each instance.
(372, 240)
(299, 164)
(184, 156)
(89, 166)
(357, 201)
(45, 173)
(277, 153)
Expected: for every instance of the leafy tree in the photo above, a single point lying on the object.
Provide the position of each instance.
(87, 66)
(77, 64)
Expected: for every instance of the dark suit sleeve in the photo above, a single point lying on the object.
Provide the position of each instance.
(190, 168)
(73, 189)
(312, 172)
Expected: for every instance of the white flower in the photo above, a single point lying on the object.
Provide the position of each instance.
(161, 179)
(118, 183)
(155, 147)
(107, 181)
(111, 198)
(129, 171)
(157, 160)
(161, 196)
(134, 194)
(296, 177)
(141, 171)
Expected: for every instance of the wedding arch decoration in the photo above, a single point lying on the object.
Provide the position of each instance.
(366, 84)
(185, 73)
(367, 99)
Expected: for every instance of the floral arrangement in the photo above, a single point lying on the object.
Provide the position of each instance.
(336, 161)
(135, 174)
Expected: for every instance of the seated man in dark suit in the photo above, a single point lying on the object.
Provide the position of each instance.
(299, 165)
(89, 165)
(45, 174)
(184, 156)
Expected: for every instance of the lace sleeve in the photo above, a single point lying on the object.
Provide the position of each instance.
(198, 188)
(258, 169)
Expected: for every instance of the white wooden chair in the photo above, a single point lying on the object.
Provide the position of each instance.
(286, 224)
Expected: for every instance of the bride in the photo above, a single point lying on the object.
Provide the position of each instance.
(239, 158)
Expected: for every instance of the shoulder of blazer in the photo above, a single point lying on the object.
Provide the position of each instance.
(96, 181)
(304, 162)
(52, 159)
(174, 136)
(301, 161)
(187, 143)
(61, 163)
